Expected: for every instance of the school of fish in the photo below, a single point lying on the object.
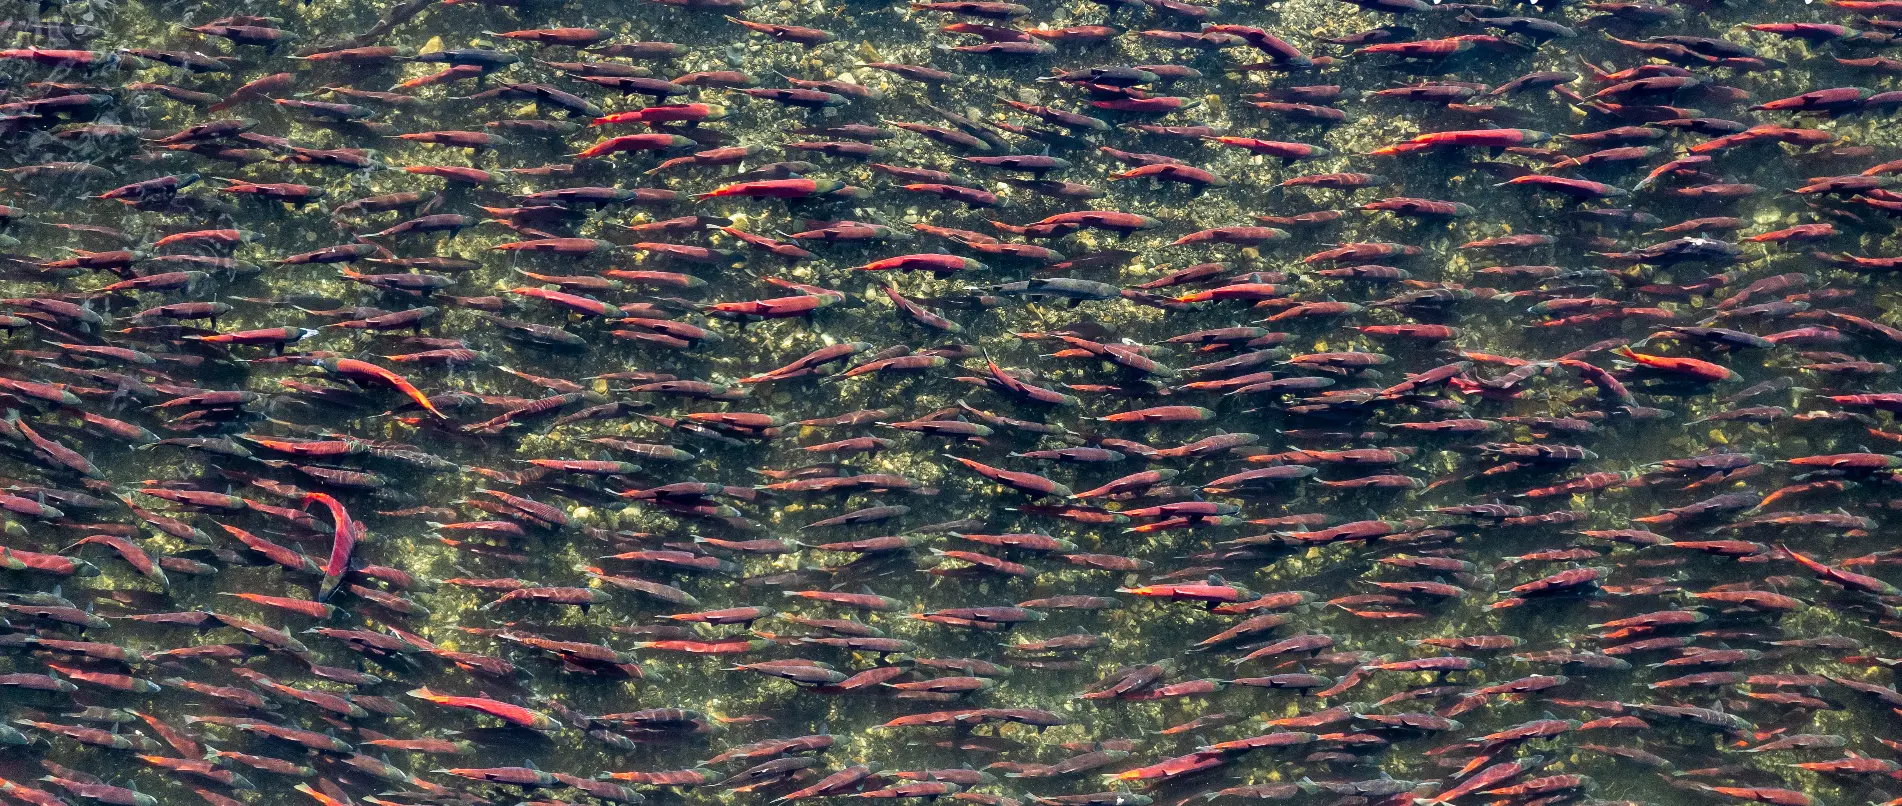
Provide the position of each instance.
(1108, 403)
